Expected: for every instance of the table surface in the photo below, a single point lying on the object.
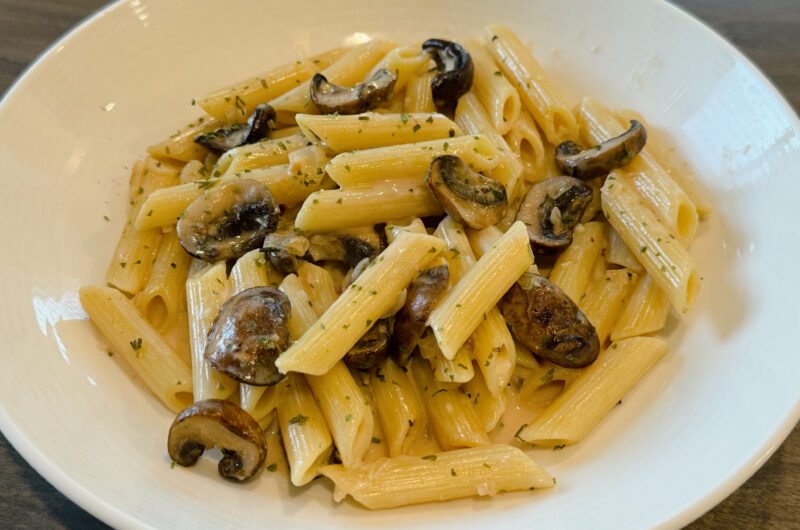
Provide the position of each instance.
(767, 31)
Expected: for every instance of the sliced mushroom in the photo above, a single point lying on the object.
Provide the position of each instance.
(216, 422)
(257, 127)
(348, 246)
(425, 291)
(371, 348)
(551, 209)
(228, 220)
(330, 98)
(249, 333)
(466, 195)
(544, 319)
(284, 250)
(356, 271)
(601, 159)
(455, 73)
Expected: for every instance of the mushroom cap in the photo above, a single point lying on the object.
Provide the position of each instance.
(216, 422)
(249, 333)
(257, 127)
(423, 294)
(455, 75)
(547, 321)
(464, 194)
(348, 246)
(228, 220)
(551, 209)
(601, 159)
(372, 347)
(330, 98)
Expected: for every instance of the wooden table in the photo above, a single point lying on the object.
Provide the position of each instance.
(768, 31)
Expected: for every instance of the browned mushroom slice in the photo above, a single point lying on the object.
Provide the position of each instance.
(544, 319)
(257, 127)
(372, 348)
(601, 159)
(249, 333)
(551, 209)
(228, 220)
(365, 96)
(425, 291)
(466, 195)
(348, 246)
(455, 73)
(215, 422)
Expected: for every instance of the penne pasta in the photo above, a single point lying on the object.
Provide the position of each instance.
(495, 93)
(361, 305)
(418, 96)
(400, 481)
(646, 311)
(595, 392)
(370, 129)
(535, 88)
(143, 349)
(573, 268)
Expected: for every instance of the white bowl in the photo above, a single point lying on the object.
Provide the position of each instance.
(695, 428)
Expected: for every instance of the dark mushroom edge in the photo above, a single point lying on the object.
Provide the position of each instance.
(257, 127)
(216, 422)
(249, 333)
(455, 73)
(467, 196)
(372, 347)
(423, 294)
(547, 321)
(601, 159)
(551, 209)
(330, 98)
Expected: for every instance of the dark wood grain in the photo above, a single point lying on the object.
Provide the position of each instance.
(767, 31)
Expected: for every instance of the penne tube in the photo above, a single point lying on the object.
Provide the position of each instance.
(495, 93)
(181, 145)
(193, 170)
(595, 392)
(354, 312)
(133, 257)
(404, 62)
(366, 205)
(143, 349)
(573, 268)
(448, 409)
(605, 298)
(646, 311)
(536, 90)
(405, 480)
(489, 406)
(206, 290)
(163, 296)
(235, 103)
(669, 202)
(619, 253)
(319, 285)
(665, 155)
(415, 225)
(399, 408)
(525, 141)
(371, 129)
(350, 69)
(305, 435)
(472, 118)
(410, 161)
(419, 96)
(660, 253)
(466, 305)
(494, 351)
(346, 411)
(240, 161)
(288, 183)
(456, 370)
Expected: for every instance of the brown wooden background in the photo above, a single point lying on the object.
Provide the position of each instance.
(768, 31)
